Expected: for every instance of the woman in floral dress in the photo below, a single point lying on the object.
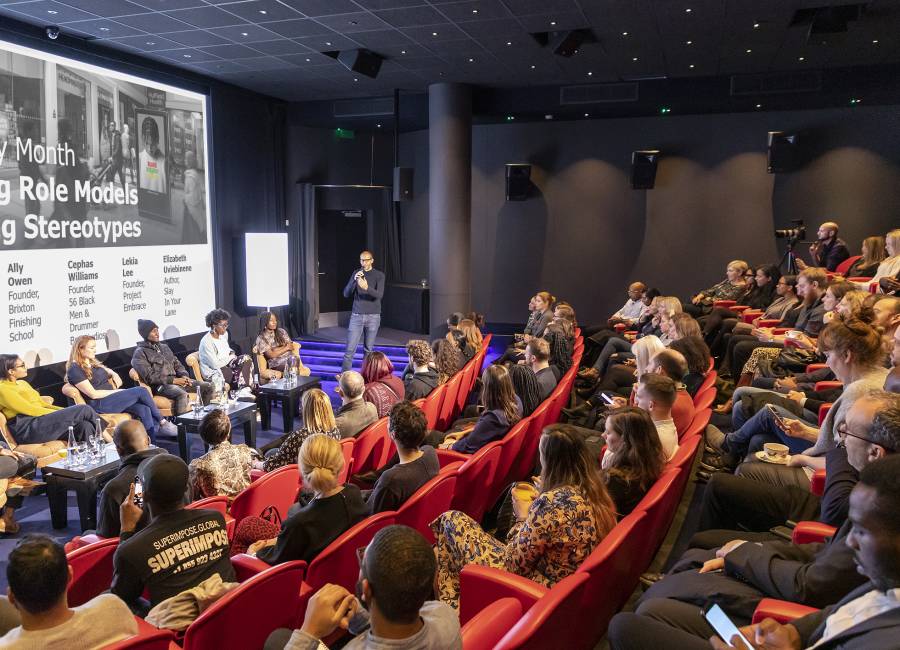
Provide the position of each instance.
(558, 523)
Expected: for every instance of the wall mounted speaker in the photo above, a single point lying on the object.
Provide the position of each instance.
(362, 61)
(643, 169)
(784, 153)
(403, 183)
(518, 181)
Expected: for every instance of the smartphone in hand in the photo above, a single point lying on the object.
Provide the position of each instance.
(724, 626)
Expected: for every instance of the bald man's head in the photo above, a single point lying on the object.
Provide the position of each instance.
(130, 437)
(827, 230)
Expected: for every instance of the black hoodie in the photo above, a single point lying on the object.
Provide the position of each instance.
(115, 491)
(420, 384)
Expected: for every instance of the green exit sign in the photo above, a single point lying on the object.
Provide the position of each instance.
(344, 134)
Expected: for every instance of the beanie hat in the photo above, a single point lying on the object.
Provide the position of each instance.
(165, 478)
(145, 327)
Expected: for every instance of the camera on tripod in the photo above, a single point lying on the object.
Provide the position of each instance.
(794, 234)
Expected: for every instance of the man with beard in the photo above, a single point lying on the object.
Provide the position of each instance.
(867, 617)
(395, 591)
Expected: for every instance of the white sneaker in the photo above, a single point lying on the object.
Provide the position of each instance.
(245, 395)
(167, 430)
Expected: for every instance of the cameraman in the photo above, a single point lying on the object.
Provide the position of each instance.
(828, 251)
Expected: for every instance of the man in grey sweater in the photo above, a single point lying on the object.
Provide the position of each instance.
(393, 599)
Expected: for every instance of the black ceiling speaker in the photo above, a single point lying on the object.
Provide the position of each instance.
(518, 181)
(784, 154)
(566, 43)
(643, 169)
(364, 62)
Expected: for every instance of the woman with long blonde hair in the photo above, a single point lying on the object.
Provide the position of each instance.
(332, 510)
(888, 270)
(318, 417)
(102, 389)
(559, 521)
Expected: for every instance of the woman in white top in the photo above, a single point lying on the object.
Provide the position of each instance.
(218, 362)
(890, 267)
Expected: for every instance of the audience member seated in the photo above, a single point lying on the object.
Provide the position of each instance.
(30, 419)
(417, 463)
(462, 344)
(448, 360)
(333, 508)
(828, 251)
(502, 409)
(759, 296)
(873, 255)
(355, 413)
(811, 286)
(741, 573)
(537, 357)
(631, 312)
(38, 576)
(696, 354)
(656, 394)
(225, 469)
(526, 387)
(853, 351)
(163, 558)
(315, 407)
(557, 524)
(560, 350)
(275, 344)
(218, 362)
(102, 389)
(733, 287)
(541, 308)
(383, 388)
(393, 599)
(673, 365)
(472, 330)
(634, 458)
(159, 368)
(888, 271)
(420, 378)
(133, 446)
(757, 501)
(867, 617)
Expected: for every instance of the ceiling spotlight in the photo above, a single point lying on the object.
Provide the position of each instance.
(552, 23)
(624, 33)
(533, 67)
(187, 56)
(355, 78)
(377, 126)
(587, 114)
(689, 42)
(471, 60)
(508, 43)
(548, 116)
(510, 118)
(308, 60)
(402, 51)
(328, 43)
(801, 58)
(755, 25)
(52, 12)
(474, 11)
(691, 66)
(875, 42)
(634, 58)
(759, 106)
(151, 42)
(688, 10)
(749, 51)
(104, 29)
(263, 12)
(244, 34)
(590, 74)
(434, 33)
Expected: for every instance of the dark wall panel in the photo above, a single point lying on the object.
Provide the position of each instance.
(586, 234)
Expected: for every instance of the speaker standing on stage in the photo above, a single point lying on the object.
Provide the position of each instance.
(366, 285)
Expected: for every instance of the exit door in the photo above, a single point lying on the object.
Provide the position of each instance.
(341, 238)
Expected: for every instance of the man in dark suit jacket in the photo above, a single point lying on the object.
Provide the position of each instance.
(867, 617)
(812, 574)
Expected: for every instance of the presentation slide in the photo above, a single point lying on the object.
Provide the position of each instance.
(104, 216)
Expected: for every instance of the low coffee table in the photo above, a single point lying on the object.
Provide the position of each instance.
(289, 393)
(240, 413)
(84, 480)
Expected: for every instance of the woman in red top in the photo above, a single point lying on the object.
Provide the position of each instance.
(383, 388)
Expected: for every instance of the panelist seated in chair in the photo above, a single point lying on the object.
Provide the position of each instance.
(393, 606)
(16, 474)
(102, 389)
(311, 527)
(275, 344)
(159, 368)
(30, 419)
(38, 576)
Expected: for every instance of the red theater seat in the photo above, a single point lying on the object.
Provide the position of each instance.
(489, 625)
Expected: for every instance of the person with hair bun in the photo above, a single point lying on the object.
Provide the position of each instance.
(333, 509)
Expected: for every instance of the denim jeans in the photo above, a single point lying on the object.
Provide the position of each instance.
(358, 323)
(760, 429)
(739, 417)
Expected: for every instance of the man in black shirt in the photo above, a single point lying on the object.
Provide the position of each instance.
(133, 445)
(178, 549)
(828, 251)
(366, 286)
(537, 356)
(418, 464)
